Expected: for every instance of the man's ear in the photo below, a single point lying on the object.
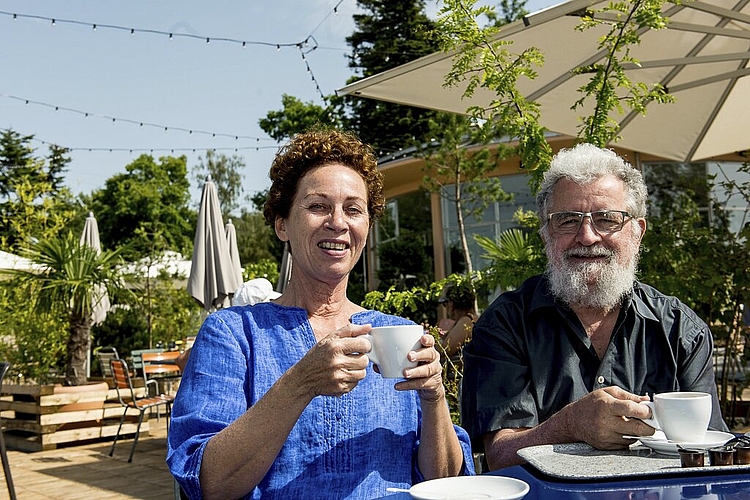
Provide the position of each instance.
(280, 227)
(642, 222)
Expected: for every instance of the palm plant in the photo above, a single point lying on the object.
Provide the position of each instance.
(69, 279)
(514, 256)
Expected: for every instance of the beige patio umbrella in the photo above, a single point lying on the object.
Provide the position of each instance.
(90, 237)
(212, 279)
(100, 299)
(701, 58)
(234, 252)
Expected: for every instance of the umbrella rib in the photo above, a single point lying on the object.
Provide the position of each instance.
(686, 61)
(730, 75)
(599, 16)
(720, 11)
(710, 32)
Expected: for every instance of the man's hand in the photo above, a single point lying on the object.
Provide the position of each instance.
(604, 416)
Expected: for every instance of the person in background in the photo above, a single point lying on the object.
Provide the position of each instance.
(456, 329)
(568, 356)
(278, 400)
(253, 292)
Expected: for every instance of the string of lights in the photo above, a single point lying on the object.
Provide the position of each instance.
(171, 35)
(305, 46)
(140, 123)
(157, 150)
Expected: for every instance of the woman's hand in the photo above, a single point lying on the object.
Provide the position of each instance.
(427, 376)
(336, 364)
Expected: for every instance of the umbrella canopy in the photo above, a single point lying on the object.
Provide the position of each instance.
(234, 252)
(212, 278)
(90, 238)
(701, 58)
(10, 261)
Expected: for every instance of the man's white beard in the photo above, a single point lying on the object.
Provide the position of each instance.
(597, 285)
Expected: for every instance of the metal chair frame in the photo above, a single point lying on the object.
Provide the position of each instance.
(127, 396)
(3, 451)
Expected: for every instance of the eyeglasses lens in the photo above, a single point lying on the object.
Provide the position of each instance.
(604, 221)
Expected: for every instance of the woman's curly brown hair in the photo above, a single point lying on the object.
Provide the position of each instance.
(316, 148)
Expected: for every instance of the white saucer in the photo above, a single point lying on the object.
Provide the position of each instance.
(660, 444)
(470, 487)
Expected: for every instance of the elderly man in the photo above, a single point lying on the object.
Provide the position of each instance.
(568, 355)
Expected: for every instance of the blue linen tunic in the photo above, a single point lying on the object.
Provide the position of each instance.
(353, 446)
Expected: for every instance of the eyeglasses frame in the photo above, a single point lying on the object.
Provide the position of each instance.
(625, 216)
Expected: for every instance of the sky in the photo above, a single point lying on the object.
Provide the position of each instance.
(106, 80)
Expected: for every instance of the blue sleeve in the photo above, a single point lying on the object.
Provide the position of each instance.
(212, 394)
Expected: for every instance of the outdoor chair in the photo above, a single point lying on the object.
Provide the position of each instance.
(104, 354)
(3, 452)
(127, 396)
(152, 387)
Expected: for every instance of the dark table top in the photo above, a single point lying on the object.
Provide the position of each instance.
(694, 485)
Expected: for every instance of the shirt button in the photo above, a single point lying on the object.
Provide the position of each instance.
(600, 379)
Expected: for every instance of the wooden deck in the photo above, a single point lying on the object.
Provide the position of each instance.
(87, 472)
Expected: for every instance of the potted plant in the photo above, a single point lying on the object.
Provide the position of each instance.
(68, 279)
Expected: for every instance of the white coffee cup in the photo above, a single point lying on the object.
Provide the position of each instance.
(390, 347)
(682, 416)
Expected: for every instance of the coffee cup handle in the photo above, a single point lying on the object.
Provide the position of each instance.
(371, 353)
(652, 420)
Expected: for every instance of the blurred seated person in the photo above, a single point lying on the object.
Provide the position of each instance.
(278, 399)
(456, 328)
(568, 356)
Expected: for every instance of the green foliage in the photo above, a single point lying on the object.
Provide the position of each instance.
(297, 116)
(609, 88)
(417, 304)
(387, 33)
(34, 205)
(156, 312)
(68, 282)
(420, 305)
(688, 257)
(265, 268)
(696, 257)
(516, 255)
(449, 162)
(17, 161)
(226, 174)
(256, 240)
(33, 343)
(482, 61)
(146, 208)
(402, 260)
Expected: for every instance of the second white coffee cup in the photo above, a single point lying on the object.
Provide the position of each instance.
(390, 347)
(682, 416)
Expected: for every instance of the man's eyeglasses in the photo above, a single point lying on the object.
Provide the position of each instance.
(603, 221)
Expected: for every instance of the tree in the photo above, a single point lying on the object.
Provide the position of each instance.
(459, 174)
(70, 283)
(34, 203)
(146, 208)
(297, 116)
(482, 62)
(389, 33)
(225, 172)
(256, 240)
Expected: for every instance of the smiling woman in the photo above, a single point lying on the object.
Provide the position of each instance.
(290, 380)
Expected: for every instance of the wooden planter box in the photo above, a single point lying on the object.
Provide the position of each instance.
(43, 417)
